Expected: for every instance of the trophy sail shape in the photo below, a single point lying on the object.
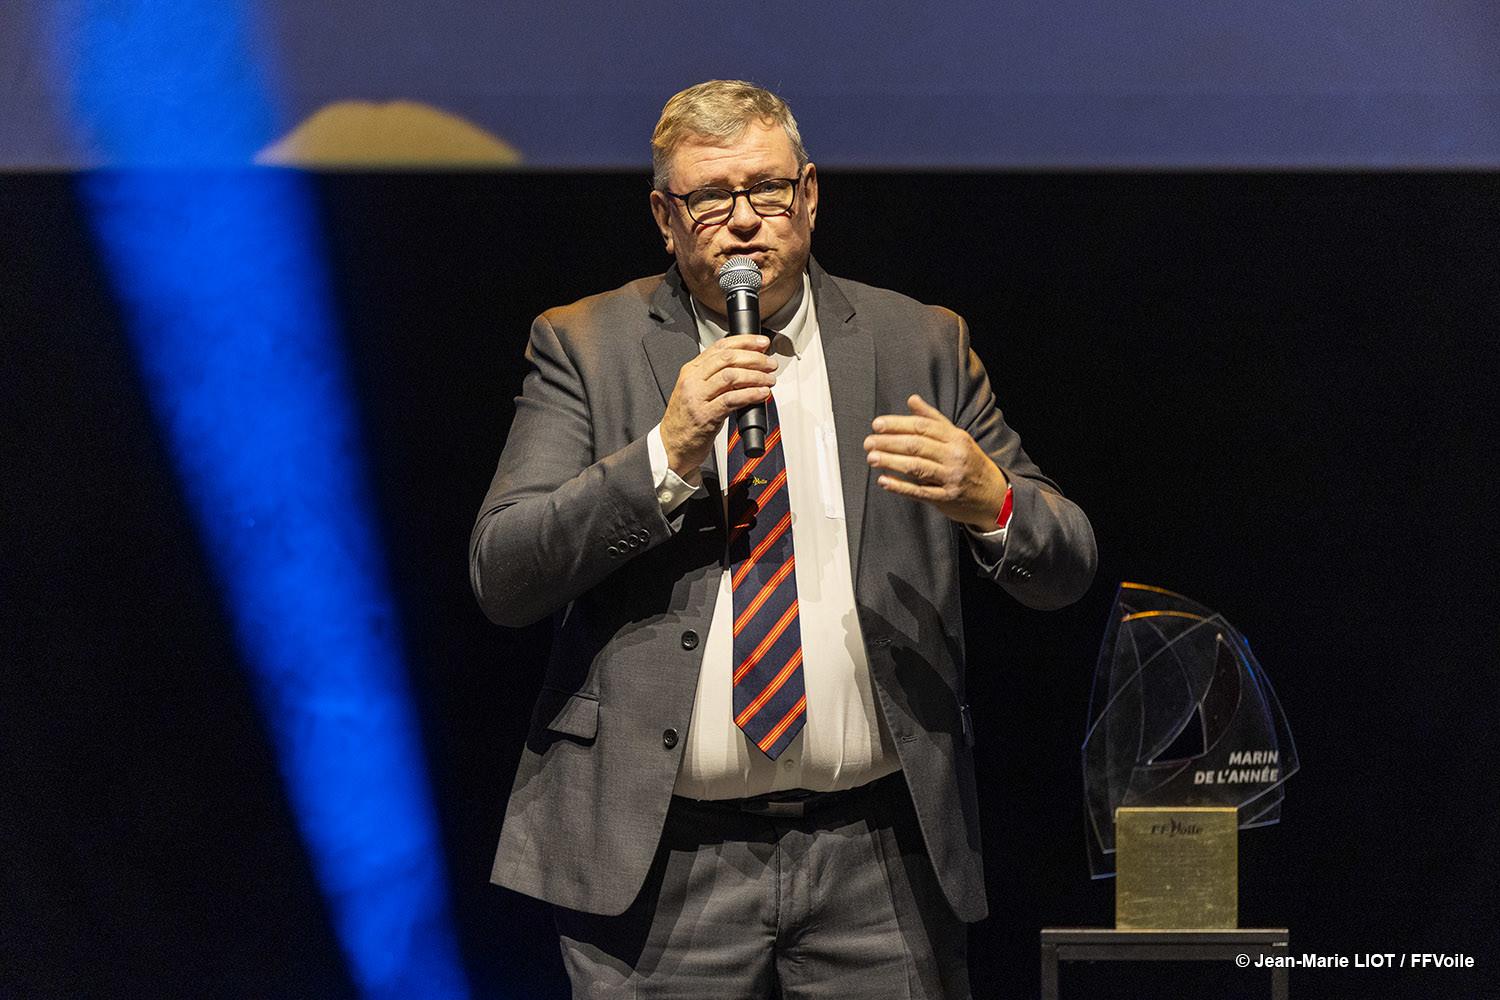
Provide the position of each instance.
(1181, 716)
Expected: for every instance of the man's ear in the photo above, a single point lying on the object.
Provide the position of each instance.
(810, 186)
(661, 211)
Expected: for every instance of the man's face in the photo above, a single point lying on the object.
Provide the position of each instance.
(779, 244)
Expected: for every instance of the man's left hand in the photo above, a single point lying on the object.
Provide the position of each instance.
(936, 462)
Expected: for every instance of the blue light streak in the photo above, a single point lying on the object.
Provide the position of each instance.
(221, 281)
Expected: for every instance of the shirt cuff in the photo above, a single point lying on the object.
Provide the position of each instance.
(671, 489)
(988, 547)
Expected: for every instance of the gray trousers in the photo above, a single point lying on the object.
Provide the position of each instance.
(841, 902)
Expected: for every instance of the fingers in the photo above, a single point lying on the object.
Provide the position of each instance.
(746, 350)
(743, 342)
(732, 373)
(733, 364)
(893, 425)
(922, 408)
(916, 491)
(915, 469)
(943, 469)
(722, 370)
(711, 362)
(921, 446)
(915, 445)
(730, 380)
(917, 458)
(737, 398)
(923, 419)
(928, 458)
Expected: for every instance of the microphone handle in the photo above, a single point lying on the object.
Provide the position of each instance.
(742, 307)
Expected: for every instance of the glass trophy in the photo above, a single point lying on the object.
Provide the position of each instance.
(1186, 746)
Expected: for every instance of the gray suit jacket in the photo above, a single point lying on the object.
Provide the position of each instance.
(571, 527)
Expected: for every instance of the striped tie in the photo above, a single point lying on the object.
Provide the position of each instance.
(770, 703)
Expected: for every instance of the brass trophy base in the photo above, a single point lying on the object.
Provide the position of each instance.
(1176, 868)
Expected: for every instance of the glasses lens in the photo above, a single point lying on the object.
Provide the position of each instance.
(772, 197)
(710, 205)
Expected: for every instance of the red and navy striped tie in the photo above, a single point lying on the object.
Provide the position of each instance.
(770, 703)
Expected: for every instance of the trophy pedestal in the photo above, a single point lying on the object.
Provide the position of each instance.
(1098, 944)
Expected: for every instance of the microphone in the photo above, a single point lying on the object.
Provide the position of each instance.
(739, 279)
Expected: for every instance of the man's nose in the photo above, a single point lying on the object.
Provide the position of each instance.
(743, 218)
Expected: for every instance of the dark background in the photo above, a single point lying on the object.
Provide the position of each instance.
(1271, 392)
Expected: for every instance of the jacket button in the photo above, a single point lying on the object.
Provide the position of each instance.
(690, 639)
(669, 738)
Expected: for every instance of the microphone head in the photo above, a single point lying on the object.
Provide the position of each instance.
(739, 273)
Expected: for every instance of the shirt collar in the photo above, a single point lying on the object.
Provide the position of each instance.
(793, 322)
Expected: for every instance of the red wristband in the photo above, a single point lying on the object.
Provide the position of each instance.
(1004, 518)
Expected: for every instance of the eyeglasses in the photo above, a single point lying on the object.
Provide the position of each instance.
(711, 206)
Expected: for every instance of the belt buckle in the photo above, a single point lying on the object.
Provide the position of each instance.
(794, 810)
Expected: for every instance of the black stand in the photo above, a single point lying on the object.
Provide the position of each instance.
(1098, 944)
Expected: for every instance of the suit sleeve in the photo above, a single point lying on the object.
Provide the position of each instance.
(557, 519)
(1050, 555)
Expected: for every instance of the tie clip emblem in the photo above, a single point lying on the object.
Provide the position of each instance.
(757, 481)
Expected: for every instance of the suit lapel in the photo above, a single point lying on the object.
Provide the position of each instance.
(849, 356)
(673, 342)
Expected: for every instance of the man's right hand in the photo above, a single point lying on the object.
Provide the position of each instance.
(731, 374)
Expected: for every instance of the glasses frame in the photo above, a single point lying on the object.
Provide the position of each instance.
(795, 182)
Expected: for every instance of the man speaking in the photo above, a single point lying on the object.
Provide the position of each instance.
(749, 770)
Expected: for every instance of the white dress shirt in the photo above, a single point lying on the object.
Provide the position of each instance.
(844, 742)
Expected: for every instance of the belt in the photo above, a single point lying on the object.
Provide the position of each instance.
(793, 803)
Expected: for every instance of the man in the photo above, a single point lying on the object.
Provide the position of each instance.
(749, 771)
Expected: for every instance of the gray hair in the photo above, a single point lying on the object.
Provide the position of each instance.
(718, 109)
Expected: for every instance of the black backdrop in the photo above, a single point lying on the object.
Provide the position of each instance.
(1271, 392)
